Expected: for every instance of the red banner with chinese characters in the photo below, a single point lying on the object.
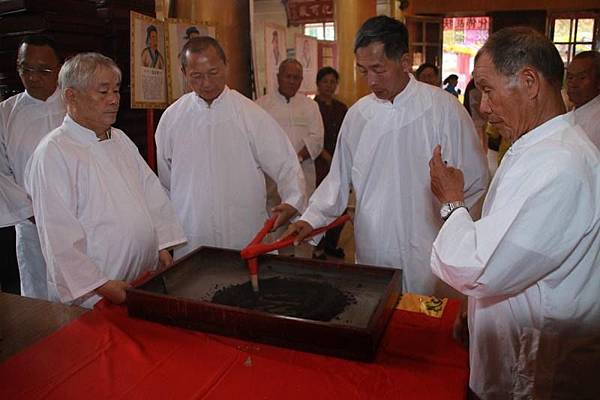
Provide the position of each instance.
(306, 11)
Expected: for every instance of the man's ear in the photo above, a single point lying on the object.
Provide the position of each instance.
(226, 69)
(405, 62)
(69, 95)
(531, 80)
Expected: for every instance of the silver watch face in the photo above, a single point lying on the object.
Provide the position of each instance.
(445, 210)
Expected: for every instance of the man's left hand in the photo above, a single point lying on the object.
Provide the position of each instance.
(447, 183)
(164, 258)
(284, 213)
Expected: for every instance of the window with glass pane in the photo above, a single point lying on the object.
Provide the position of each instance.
(321, 30)
(573, 34)
(329, 31)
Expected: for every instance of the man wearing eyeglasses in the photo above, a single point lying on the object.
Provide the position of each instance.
(24, 120)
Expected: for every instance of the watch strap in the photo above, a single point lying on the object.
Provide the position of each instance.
(453, 206)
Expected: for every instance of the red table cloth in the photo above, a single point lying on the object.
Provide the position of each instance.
(105, 354)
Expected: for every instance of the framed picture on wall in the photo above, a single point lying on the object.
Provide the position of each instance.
(275, 53)
(327, 54)
(307, 54)
(179, 31)
(148, 62)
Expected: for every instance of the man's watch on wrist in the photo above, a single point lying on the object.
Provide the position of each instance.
(448, 208)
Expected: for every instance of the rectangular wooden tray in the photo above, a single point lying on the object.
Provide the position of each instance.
(181, 295)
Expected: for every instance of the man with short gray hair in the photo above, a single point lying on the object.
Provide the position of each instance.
(102, 215)
(583, 88)
(531, 264)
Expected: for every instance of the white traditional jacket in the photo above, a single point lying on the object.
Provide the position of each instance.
(531, 269)
(212, 160)
(383, 153)
(301, 120)
(588, 117)
(101, 213)
(24, 121)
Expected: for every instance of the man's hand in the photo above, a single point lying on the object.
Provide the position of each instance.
(446, 182)
(164, 259)
(284, 213)
(303, 154)
(300, 228)
(113, 291)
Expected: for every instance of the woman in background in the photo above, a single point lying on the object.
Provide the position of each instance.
(151, 57)
(451, 81)
(332, 112)
(428, 73)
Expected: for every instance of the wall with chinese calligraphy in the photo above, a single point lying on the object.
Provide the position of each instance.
(307, 11)
(483, 6)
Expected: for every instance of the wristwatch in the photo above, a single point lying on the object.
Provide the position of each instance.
(448, 208)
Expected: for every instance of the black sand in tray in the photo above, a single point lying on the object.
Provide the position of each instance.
(317, 301)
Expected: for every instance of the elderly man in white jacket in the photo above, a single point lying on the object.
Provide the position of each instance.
(384, 145)
(300, 118)
(25, 119)
(531, 264)
(213, 148)
(102, 215)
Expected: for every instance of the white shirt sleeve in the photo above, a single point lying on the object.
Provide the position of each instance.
(15, 205)
(330, 199)
(515, 246)
(53, 190)
(278, 160)
(165, 221)
(164, 153)
(314, 140)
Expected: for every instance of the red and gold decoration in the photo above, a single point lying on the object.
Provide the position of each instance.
(307, 11)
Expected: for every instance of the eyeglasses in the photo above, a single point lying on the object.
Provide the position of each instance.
(27, 70)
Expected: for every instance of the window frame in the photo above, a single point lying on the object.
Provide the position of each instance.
(572, 43)
(323, 25)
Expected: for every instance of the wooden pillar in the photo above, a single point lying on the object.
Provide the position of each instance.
(349, 16)
(232, 21)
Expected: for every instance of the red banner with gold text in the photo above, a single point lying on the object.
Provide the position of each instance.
(307, 11)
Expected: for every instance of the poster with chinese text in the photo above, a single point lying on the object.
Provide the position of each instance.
(179, 31)
(148, 63)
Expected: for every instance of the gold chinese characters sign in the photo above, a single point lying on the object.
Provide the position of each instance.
(428, 305)
(306, 11)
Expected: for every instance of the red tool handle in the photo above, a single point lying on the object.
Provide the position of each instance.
(255, 248)
(253, 262)
(263, 232)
